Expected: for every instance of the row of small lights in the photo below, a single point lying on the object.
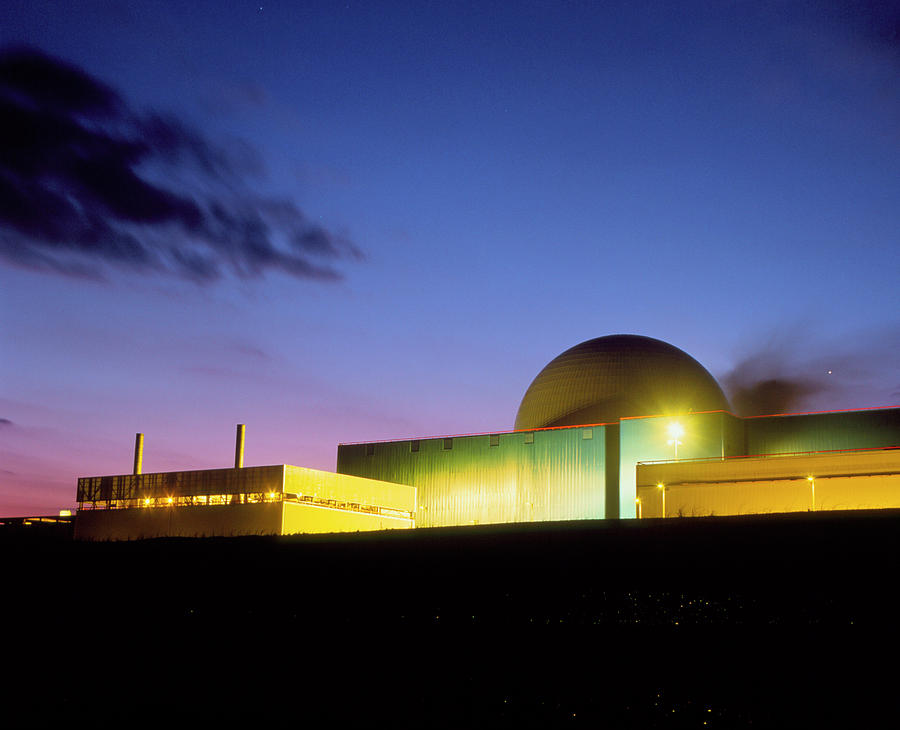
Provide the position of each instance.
(171, 500)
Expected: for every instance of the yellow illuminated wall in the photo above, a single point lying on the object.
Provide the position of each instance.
(347, 489)
(310, 518)
(865, 479)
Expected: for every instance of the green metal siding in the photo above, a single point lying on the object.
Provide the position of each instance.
(558, 476)
(823, 432)
(612, 472)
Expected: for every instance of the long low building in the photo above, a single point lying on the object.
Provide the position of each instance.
(816, 481)
(260, 500)
(607, 471)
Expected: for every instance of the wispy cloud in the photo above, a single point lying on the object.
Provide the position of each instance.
(87, 182)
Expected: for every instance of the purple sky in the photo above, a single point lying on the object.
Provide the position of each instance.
(377, 220)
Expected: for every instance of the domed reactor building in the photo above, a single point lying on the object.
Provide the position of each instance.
(621, 376)
(622, 426)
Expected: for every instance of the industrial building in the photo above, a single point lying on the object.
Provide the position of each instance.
(622, 426)
(618, 426)
(258, 500)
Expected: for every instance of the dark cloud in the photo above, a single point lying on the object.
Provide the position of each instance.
(86, 181)
(793, 372)
(877, 21)
(5, 422)
(251, 351)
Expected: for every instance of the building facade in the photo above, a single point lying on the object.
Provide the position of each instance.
(614, 428)
(261, 500)
(606, 471)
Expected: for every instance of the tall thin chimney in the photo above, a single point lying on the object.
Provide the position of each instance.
(138, 452)
(239, 447)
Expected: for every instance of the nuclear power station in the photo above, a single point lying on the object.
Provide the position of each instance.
(618, 427)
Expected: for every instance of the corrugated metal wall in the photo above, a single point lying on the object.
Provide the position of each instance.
(800, 466)
(562, 475)
(207, 521)
(345, 488)
(780, 495)
(865, 479)
(311, 518)
(823, 432)
(556, 474)
(783, 495)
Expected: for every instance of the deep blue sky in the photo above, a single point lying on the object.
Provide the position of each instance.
(518, 177)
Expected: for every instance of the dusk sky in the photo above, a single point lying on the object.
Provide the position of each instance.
(343, 222)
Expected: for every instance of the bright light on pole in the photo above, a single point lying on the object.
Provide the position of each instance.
(812, 484)
(662, 488)
(637, 501)
(676, 431)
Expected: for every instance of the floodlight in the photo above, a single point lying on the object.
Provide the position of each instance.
(676, 430)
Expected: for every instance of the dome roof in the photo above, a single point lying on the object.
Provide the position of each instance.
(602, 380)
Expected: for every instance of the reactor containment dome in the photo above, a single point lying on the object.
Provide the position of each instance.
(618, 376)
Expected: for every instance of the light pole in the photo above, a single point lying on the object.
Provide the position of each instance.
(812, 484)
(676, 431)
(637, 501)
(662, 488)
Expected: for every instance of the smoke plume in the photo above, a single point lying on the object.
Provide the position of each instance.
(794, 373)
(765, 384)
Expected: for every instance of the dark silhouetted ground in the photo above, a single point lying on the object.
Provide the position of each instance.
(779, 621)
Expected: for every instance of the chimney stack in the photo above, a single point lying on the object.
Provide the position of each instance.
(138, 452)
(239, 447)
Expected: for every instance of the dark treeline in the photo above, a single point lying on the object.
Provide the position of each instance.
(732, 622)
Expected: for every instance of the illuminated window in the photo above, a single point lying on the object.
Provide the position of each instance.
(529, 437)
(370, 449)
(587, 434)
(495, 439)
(414, 446)
(447, 445)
